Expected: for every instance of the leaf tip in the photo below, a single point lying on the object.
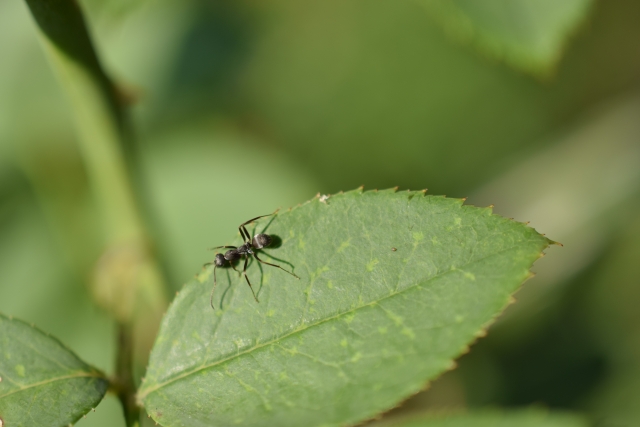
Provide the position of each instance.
(361, 188)
(395, 189)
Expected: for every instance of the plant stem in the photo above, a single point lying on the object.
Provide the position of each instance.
(128, 281)
(125, 385)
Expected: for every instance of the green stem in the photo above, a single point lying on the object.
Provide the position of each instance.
(136, 297)
(125, 386)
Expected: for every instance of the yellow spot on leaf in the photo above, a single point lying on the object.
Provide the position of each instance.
(20, 370)
(344, 245)
(356, 357)
(408, 332)
(372, 264)
(418, 236)
(396, 319)
(330, 284)
(349, 317)
(270, 313)
(343, 342)
(382, 330)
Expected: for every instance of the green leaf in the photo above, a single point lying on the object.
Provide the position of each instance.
(42, 382)
(527, 34)
(393, 287)
(522, 418)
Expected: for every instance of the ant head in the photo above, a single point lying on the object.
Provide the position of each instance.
(261, 240)
(219, 261)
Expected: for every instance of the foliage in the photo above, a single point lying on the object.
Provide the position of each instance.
(43, 382)
(365, 326)
(527, 34)
(239, 107)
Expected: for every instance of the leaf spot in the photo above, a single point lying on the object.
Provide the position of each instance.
(270, 313)
(356, 357)
(470, 276)
(344, 245)
(372, 264)
(459, 319)
(301, 244)
(20, 370)
(343, 342)
(396, 319)
(349, 317)
(418, 236)
(382, 330)
(408, 332)
(330, 284)
(435, 241)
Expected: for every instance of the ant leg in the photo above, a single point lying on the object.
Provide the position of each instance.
(219, 247)
(242, 226)
(215, 282)
(234, 268)
(273, 265)
(244, 271)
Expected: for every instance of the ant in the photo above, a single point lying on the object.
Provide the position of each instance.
(249, 248)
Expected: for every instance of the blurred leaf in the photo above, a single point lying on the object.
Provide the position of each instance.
(522, 418)
(385, 99)
(43, 383)
(611, 311)
(56, 299)
(365, 327)
(528, 34)
(584, 196)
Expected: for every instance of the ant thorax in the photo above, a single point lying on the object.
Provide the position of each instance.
(245, 249)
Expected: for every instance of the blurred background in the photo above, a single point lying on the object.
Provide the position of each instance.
(245, 106)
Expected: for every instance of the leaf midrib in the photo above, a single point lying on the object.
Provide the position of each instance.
(51, 380)
(305, 327)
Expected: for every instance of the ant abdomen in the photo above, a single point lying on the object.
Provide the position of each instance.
(261, 241)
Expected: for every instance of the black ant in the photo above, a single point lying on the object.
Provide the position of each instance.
(250, 247)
